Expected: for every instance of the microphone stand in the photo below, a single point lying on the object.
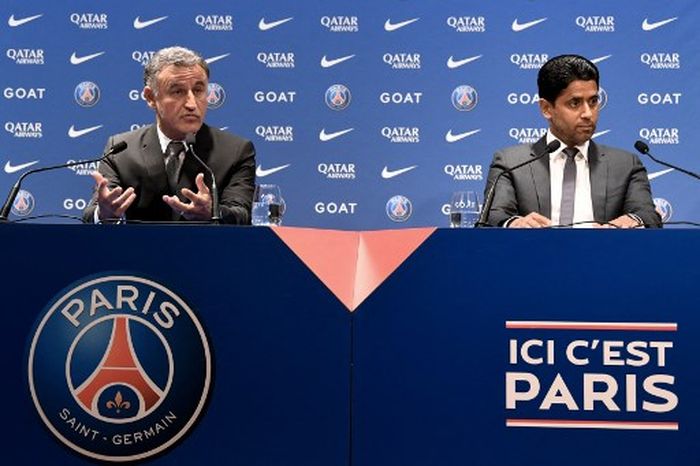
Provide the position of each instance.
(486, 209)
(216, 212)
(644, 149)
(5, 211)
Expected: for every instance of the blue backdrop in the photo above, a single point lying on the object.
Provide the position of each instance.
(399, 65)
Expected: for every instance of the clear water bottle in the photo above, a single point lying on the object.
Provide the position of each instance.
(268, 205)
(464, 209)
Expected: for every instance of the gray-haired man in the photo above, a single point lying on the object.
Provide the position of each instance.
(154, 179)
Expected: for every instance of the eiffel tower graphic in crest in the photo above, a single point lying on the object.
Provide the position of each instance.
(119, 366)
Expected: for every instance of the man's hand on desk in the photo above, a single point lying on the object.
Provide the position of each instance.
(531, 220)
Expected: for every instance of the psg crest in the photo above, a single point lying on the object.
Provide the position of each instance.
(119, 367)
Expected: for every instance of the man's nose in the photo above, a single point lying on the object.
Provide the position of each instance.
(191, 101)
(587, 111)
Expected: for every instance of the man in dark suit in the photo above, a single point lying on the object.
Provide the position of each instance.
(154, 178)
(581, 183)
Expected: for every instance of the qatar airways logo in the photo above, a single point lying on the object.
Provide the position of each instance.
(660, 135)
(402, 61)
(83, 168)
(596, 23)
(276, 59)
(89, 20)
(527, 135)
(464, 172)
(402, 134)
(467, 23)
(24, 129)
(529, 61)
(142, 56)
(337, 171)
(340, 23)
(214, 22)
(661, 60)
(26, 56)
(275, 133)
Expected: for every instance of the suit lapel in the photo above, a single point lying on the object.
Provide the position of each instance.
(154, 161)
(598, 167)
(540, 178)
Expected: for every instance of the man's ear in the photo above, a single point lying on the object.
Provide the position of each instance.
(150, 96)
(545, 108)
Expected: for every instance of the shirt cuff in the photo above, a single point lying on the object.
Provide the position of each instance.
(509, 221)
(637, 219)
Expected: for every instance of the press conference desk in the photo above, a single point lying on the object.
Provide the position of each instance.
(421, 373)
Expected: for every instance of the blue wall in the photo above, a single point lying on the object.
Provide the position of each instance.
(338, 183)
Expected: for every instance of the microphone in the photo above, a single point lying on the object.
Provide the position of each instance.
(190, 139)
(643, 148)
(5, 211)
(485, 211)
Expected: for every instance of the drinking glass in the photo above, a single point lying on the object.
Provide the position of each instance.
(464, 209)
(268, 205)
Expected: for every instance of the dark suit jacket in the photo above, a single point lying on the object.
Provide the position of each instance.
(619, 184)
(142, 166)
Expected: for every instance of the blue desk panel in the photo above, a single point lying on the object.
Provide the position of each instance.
(432, 349)
(280, 341)
(417, 375)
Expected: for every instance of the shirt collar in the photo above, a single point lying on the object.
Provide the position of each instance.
(582, 148)
(163, 139)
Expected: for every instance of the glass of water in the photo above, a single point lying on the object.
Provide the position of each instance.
(464, 209)
(268, 205)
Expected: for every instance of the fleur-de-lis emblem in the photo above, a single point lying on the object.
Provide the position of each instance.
(118, 403)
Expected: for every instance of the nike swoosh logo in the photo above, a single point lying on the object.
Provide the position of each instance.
(517, 27)
(600, 133)
(263, 26)
(449, 137)
(452, 63)
(9, 168)
(138, 24)
(216, 58)
(261, 172)
(325, 137)
(76, 133)
(13, 23)
(600, 59)
(660, 173)
(387, 174)
(76, 60)
(326, 63)
(389, 26)
(647, 26)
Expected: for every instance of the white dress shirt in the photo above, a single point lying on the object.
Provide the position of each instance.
(583, 202)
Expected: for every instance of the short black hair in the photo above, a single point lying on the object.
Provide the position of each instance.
(560, 71)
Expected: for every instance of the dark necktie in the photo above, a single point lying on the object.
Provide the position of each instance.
(568, 188)
(172, 163)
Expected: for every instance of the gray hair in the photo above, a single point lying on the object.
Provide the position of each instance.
(178, 56)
